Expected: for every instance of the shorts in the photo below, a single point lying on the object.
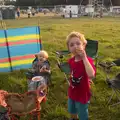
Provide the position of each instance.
(18, 14)
(78, 108)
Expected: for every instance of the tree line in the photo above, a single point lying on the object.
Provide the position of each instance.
(60, 2)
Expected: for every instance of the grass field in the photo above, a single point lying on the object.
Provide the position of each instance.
(54, 32)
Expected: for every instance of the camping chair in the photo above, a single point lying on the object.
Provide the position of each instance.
(91, 50)
(29, 74)
(114, 82)
(18, 105)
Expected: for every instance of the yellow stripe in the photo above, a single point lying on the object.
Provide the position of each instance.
(20, 38)
(4, 65)
(16, 63)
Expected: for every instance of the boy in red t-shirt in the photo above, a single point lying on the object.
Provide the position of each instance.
(82, 71)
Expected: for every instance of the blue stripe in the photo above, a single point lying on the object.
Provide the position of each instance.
(22, 31)
(4, 69)
(2, 35)
(3, 52)
(20, 50)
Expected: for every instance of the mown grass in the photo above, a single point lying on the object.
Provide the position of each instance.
(54, 32)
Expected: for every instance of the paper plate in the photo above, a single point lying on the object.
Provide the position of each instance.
(37, 78)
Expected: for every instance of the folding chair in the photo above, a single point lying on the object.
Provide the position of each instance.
(91, 50)
(113, 83)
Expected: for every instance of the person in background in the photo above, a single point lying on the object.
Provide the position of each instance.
(29, 12)
(33, 12)
(18, 12)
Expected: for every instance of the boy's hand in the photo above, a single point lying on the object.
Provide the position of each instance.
(81, 53)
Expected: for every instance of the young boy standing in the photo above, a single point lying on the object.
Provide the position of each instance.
(82, 71)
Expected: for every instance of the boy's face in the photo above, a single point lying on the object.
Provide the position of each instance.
(75, 44)
(41, 57)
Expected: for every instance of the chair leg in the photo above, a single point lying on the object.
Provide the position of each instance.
(111, 97)
(114, 104)
(114, 92)
(117, 95)
(38, 112)
(66, 78)
(38, 115)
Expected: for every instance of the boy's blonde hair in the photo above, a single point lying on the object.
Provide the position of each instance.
(42, 52)
(78, 35)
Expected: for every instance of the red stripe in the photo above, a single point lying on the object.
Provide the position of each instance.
(2, 44)
(17, 58)
(19, 42)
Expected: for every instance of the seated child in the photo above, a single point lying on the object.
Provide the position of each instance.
(40, 68)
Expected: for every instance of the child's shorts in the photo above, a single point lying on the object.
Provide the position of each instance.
(78, 108)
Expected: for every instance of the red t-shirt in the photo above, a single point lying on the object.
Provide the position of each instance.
(81, 92)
